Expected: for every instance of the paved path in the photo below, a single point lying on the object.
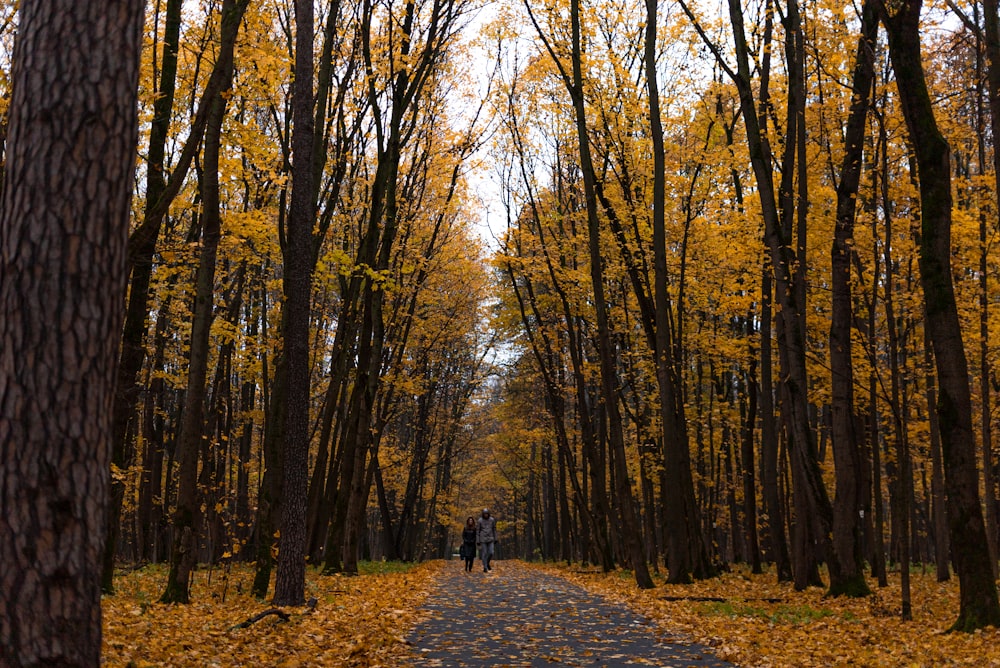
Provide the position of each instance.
(520, 616)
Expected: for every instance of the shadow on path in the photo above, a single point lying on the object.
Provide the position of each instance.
(520, 616)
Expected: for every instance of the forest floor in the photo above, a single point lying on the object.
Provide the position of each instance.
(397, 615)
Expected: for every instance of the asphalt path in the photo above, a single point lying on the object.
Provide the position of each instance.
(520, 616)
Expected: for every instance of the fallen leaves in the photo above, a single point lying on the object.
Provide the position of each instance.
(358, 621)
(759, 622)
(363, 621)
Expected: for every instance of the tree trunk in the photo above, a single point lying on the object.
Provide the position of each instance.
(985, 368)
(64, 216)
(132, 349)
(769, 440)
(939, 505)
(848, 508)
(186, 521)
(978, 595)
(289, 587)
(748, 418)
(686, 554)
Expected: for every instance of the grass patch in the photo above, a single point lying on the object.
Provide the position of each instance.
(385, 567)
(780, 614)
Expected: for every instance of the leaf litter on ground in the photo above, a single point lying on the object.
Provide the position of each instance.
(755, 621)
(749, 620)
(356, 621)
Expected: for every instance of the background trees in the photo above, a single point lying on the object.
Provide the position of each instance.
(656, 362)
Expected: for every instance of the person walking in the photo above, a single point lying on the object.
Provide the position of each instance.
(468, 549)
(486, 537)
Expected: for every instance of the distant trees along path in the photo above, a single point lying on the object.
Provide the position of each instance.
(661, 289)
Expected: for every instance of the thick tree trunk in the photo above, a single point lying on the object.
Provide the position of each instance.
(289, 587)
(848, 508)
(978, 593)
(64, 216)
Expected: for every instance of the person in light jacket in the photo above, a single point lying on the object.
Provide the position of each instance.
(486, 538)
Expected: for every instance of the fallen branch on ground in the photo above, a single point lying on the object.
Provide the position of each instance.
(261, 615)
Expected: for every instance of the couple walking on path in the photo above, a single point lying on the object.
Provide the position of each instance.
(481, 534)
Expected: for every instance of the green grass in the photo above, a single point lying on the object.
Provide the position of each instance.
(382, 567)
(779, 614)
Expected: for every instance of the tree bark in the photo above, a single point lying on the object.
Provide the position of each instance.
(64, 216)
(289, 587)
(977, 588)
(849, 503)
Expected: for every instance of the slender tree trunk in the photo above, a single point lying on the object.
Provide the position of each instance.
(939, 505)
(814, 513)
(985, 368)
(748, 418)
(64, 216)
(186, 519)
(769, 440)
(686, 554)
(623, 490)
(132, 349)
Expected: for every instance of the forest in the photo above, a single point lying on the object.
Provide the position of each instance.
(669, 286)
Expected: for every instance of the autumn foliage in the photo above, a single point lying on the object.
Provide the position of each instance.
(675, 289)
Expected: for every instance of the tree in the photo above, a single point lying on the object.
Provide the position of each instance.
(686, 552)
(63, 232)
(849, 502)
(289, 588)
(970, 552)
(814, 513)
(626, 506)
(183, 556)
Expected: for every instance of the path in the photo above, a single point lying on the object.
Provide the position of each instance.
(520, 616)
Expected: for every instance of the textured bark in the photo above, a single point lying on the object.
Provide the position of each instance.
(289, 586)
(978, 595)
(63, 230)
(848, 521)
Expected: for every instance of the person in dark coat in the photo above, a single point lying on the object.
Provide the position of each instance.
(468, 549)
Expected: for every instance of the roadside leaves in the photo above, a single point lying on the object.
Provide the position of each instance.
(752, 620)
(357, 621)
